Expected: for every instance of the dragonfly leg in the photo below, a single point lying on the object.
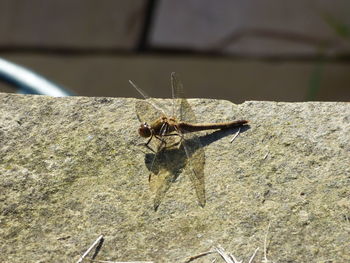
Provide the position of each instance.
(163, 131)
(175, 143)
(181, 137)
(146, 144)
(162, 142)
(180, 141)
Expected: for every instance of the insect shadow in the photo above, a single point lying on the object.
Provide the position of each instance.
(171, 162)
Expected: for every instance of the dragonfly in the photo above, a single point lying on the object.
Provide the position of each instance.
(176, 147)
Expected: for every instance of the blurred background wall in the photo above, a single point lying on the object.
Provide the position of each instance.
(226, 49)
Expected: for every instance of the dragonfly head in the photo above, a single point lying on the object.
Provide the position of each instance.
(145, 130)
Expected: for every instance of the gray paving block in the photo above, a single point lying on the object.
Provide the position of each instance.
(71, 170)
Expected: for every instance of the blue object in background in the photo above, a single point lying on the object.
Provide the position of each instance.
(29, 82)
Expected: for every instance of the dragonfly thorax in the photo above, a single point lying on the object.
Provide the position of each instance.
(145, 130)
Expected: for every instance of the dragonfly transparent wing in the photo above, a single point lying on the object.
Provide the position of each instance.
(191, 143)
(147, 110)
(195, 166)
(167, 167)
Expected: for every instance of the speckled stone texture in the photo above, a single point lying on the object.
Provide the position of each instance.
(71, 170)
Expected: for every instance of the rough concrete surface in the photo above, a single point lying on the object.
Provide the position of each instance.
(71, 170)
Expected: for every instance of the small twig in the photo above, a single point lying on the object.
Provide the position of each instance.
(265, 260)
(199, 256)
(223, 254)
(97, 241)
(251, 259)
(235, 136)
(234, 259)
(98, 248)
(267, 154)
(63, 238)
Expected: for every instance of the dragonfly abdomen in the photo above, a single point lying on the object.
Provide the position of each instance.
(189, 127)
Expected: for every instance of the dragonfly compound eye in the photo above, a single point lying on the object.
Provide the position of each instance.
(144, 130)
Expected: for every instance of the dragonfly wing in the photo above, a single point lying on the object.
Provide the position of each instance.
(159, 185)
(191, 143)
(165, 169)
(146, 112)
(177, 93)
(147, 108)
(195, 166)
(182, 109)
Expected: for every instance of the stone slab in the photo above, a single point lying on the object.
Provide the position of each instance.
(71, 170)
